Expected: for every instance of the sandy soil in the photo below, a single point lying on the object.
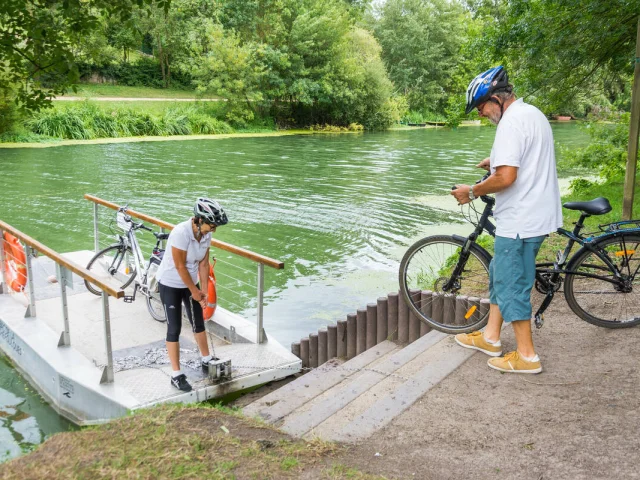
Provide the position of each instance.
(578, 419)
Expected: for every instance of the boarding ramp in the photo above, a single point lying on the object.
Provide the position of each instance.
(96, 358)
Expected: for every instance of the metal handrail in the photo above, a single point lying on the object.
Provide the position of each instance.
(60, 260)
(63, 265)
(256, 257)
(261, 260)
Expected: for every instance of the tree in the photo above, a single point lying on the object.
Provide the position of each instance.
(38, 40)
(421, 42)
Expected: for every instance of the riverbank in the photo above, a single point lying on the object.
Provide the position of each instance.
(177, 442)
(99, 141)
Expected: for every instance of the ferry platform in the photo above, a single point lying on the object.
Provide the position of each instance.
(94, 367)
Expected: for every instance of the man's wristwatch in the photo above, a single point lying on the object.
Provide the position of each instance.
(471, 195)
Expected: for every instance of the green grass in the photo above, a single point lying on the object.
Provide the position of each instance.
(89, 120)
(107, 90)
(176, 442)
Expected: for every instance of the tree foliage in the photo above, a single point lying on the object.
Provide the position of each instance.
(38, 40)
(563, 52)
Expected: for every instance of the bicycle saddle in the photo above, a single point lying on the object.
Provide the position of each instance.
(599, 206)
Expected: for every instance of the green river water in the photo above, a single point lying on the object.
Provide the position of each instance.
(339, 210)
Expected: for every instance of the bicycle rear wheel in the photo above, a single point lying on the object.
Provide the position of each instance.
(445, 300)
(112, 262)
(154, 304)
(601, 302)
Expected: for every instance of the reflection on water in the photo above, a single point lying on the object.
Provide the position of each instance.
(25, 418)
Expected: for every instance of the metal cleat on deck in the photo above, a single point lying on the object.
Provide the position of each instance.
(219, 369)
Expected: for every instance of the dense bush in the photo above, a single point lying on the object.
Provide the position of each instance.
(606, 155)
(88, 121)
(144, 72)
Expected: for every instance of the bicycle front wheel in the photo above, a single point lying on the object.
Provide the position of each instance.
(442, 287)
(599, 299)
(112, 262)
(154, 304)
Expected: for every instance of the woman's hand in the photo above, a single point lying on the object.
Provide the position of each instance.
(203, 300)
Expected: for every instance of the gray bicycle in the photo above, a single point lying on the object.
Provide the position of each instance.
(601, 281)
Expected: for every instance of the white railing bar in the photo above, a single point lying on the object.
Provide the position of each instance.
(65, 337)
(107, 372)
(4, 288)
(95, 227)
(260, 333)
(31, 309)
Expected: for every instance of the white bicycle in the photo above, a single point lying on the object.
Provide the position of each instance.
(124, 262)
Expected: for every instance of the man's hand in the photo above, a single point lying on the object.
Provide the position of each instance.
(461, 193)
(485, 164)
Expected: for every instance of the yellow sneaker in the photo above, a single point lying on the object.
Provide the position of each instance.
(512, 362)
(476, 341)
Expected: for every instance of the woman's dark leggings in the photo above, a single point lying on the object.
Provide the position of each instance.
(172, 299)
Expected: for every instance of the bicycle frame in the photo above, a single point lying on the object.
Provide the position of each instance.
(129, 240)
(549, 279)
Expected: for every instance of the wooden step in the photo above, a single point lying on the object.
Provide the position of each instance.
(278, 404)
(428, 370)
(314, 413)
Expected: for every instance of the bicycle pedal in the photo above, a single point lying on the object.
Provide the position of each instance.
(129, 298)
(539, 321)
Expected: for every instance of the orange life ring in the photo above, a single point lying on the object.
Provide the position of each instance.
(15, 263)
(212, 296)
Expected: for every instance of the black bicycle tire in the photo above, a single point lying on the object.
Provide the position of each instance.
(480, 253)
(151, 309)
(575, 262)
(117, 246)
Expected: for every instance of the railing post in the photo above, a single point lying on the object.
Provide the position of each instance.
(96, 243)
(3, 286)
(63, 275)
(31, 309)
(260, 336)
(163, 243)
(107, 371)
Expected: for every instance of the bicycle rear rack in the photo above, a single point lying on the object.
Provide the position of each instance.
(622, 225)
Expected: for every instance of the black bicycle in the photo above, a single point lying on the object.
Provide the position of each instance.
(444, 279)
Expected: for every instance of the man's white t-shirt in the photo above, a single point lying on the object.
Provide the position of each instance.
(529, 207)
(182, 238)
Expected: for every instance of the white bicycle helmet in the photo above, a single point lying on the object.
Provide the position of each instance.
(210, 211)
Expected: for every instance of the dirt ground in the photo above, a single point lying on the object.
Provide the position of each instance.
(578, 419)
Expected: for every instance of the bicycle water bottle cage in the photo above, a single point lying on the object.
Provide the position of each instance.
(132, 298)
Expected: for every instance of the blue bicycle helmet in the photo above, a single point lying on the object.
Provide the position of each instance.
(482, 87)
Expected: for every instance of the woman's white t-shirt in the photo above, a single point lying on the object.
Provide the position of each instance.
(529, 207)
(182, 238)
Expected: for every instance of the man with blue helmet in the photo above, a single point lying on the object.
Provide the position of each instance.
(525, 183)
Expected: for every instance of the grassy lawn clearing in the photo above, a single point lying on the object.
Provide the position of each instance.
(108, 90)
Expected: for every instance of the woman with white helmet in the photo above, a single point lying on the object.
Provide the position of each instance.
(186, 257)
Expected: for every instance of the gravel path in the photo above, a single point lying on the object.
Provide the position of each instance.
(579, 419)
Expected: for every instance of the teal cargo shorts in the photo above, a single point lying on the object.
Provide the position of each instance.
(511, 275)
